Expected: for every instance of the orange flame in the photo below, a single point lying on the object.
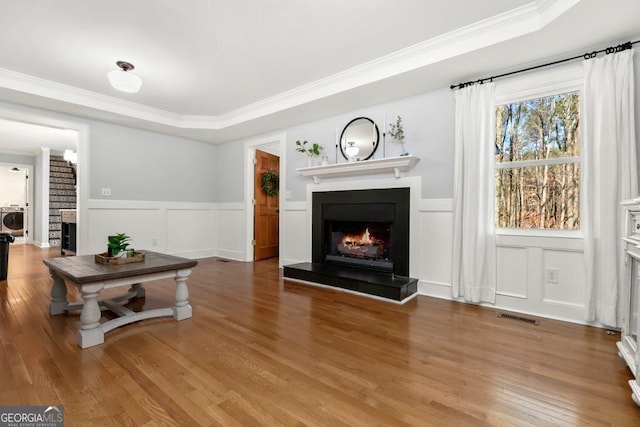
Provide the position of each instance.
(358, 240)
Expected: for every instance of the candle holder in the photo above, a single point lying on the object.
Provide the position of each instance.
(384, 136)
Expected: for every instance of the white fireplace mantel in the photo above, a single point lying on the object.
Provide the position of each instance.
(375, 166)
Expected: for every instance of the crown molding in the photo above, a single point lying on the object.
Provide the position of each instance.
(499, 28)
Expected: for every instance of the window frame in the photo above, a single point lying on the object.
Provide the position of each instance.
(548, 82)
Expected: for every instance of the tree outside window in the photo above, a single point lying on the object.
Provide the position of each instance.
(538, 163)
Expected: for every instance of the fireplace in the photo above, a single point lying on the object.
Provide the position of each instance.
(360, 241)
(381, 216)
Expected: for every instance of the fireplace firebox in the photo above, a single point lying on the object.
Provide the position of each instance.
(364, 244)
(360, 241)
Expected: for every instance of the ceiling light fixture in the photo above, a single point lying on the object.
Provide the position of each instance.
(70, 156)
(123, 80)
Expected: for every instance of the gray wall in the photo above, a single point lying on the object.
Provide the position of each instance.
(230, 172)
(429, 129)
(17, 159)
(143, 165)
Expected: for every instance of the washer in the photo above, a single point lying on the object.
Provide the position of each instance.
(12, 220)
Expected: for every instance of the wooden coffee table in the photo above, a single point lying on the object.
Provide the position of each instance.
(90, 278)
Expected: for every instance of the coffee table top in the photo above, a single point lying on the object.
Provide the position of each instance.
(84, 269)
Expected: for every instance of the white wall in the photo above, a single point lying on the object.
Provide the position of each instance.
(13, 187)
(41, 199)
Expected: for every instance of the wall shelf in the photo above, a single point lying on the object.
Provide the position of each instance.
(393, 165)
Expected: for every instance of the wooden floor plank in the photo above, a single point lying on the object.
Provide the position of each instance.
(263, 351)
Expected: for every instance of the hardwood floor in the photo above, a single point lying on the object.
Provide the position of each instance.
(262, 351)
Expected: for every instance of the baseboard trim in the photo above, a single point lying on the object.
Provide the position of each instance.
(205, 253)
(234, 255)
(443, 291)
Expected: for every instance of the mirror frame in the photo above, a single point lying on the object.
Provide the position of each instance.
(377, 142)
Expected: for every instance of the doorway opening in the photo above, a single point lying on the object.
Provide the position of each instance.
(16, 200)
(39, 138)
(264, 182)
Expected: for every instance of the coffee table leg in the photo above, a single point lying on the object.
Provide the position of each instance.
(90, 333)
(182, 309)
(59, 302)
(138, 289)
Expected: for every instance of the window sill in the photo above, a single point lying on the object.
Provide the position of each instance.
(527, 232)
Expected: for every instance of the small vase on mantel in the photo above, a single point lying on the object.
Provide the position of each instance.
(325, 161)
(309, 161)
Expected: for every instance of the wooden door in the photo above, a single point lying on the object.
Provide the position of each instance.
(266, 212)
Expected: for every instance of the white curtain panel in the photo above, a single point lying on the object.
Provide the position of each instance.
(474, 243)
(609, 176)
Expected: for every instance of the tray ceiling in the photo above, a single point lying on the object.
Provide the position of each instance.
(221, 70)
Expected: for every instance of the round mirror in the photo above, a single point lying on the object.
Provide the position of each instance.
(359, 139)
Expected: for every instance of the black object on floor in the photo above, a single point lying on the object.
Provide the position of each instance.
(5, 239)
(376, 283)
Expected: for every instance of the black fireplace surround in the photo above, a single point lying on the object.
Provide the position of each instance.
(379, 263)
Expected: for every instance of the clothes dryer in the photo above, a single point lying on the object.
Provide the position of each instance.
(12, 220)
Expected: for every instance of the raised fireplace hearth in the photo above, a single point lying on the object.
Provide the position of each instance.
(360, 242)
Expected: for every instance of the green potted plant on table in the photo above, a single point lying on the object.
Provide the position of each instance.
(311, 151)
(117, 245)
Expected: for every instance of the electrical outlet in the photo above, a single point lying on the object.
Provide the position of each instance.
(552, 275)
(106, 191)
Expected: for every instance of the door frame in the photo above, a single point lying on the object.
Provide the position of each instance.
(31, 191)
(33, 116)
(249, 176)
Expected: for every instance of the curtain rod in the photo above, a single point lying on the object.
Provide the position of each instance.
(588, 55)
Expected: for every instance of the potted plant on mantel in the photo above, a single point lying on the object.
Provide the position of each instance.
(396, 131)
(313, 150)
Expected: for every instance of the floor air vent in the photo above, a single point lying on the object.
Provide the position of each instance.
(519, 318)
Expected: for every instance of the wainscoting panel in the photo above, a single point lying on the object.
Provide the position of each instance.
(521, 265)
(231, 231)
(293, 234)
(191, 231)
(512, 268)
(185, 229)
(143, 225)
(570, 289)
(435, 245)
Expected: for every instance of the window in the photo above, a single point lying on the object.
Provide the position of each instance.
(537, 163)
